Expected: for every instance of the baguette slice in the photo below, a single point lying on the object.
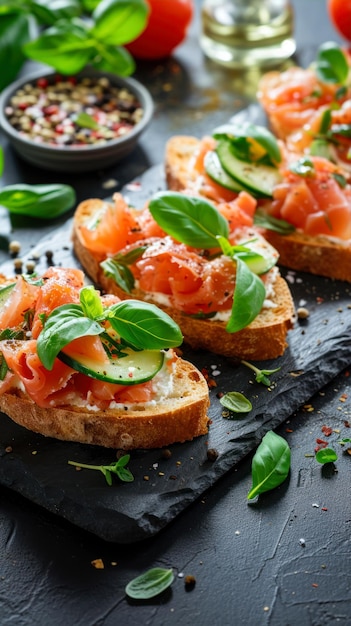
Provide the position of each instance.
(178, 413)
(264, 338)
(320, 255)
(178, 418)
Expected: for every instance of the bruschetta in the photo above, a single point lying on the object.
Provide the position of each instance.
(304, 207)
(209, 269)
(80, 367)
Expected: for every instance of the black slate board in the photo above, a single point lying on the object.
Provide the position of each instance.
(37, 468)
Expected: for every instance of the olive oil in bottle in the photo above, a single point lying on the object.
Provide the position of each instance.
(247, 33)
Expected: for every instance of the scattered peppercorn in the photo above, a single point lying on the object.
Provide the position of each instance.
(212, 454)
(190, 582)
(14, 247)
(302, 313)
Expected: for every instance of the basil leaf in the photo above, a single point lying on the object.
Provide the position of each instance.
(248, 130)
(67, 47)
(270, 464)
(325, 122)
(117, 22)
(331, 64)
(14, 33)
(321, 147)
(302, 167)
(62, 326)
(150, 584)
(116, 60)
(326, 455)
(39, 201)
(84, 120)
(144, 325)
(272, 223)
(120, 273)
(249, 295)
(187, 219)
(236, 402)
(91, 303)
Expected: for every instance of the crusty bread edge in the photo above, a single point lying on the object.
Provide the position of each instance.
(319, 255)
(264, 338)
(179, 418)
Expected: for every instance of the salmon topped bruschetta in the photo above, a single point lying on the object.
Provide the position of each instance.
(207, 267)
(78, 366)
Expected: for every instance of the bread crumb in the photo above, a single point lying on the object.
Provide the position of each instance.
(98, 563)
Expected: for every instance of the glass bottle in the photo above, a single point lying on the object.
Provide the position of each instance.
(247, 33)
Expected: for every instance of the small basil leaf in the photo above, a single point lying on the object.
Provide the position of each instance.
(326, 455)
(62, 326)
(57, 9)
(144, 325)
(91, 302)
(150, 584)
(117, 22)
(303, 167)
(331, 64)
(187, 219)
(249, 295)
(236, 402)
(84, 120)
(272, 223)
(270, 464)
(120, 273)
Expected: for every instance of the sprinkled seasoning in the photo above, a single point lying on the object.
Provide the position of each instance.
(72, 112)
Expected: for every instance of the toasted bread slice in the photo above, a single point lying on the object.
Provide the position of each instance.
(177, 412)
(320, 255)
(264, 338)
(177, 418)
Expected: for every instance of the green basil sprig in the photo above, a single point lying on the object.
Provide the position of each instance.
(150, 584)
(142, 325)
(116, 267)
(118, 468)
(270, 464)
(69, 45)
(331, 64)
(39, 201)
(197, 223)
(272, 223)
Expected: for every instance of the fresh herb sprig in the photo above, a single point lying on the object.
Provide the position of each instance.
(195, 222)
(140, 324)
(270, 464)
(326, 455)
(73, 34)
(261, 375)
(118, 469)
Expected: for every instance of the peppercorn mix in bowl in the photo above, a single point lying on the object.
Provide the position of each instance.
(75, 123)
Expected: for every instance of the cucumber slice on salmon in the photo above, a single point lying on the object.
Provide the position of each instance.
(263, 257)
(254, 177)
(132, 369)
(214, 170)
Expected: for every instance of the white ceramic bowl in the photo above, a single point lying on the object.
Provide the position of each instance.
(66, 158)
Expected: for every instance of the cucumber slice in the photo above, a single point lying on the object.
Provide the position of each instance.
(258, 179)
(5, 293)
(215, 171)
(263, 258)
(136, 367)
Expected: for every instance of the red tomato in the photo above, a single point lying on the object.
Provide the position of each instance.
(166, 29)
(340, 15)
